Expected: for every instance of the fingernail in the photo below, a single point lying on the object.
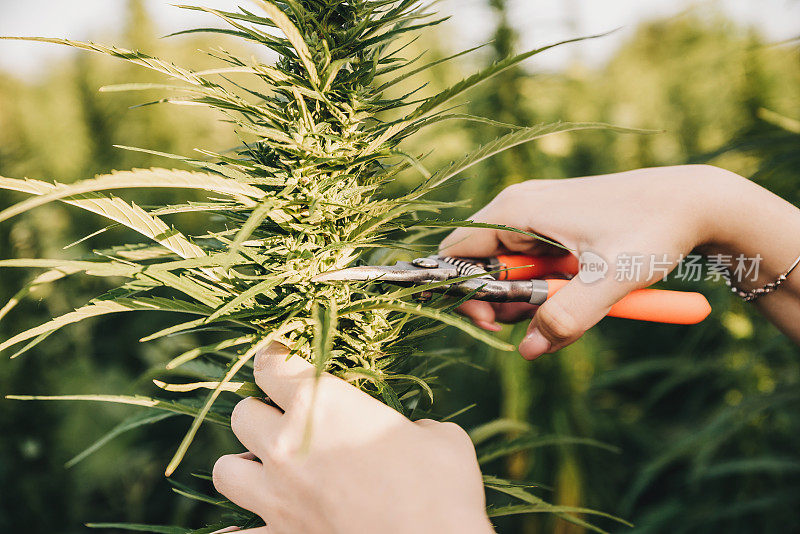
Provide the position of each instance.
(488, 325)
(228, 529)
(534, 345)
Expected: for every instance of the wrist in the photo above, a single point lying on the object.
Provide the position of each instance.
(742, 219)
(720, 206)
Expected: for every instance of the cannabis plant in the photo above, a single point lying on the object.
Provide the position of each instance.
(304, 193)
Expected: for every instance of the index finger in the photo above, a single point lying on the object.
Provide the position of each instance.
(290, 381)
(474, 242)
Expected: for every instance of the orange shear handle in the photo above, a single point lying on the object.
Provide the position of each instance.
(657, 305)
(523, 267)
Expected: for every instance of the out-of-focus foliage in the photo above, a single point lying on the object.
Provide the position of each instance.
(60, 125)
(706, 419)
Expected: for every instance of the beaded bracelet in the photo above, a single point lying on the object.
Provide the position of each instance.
(753, 294)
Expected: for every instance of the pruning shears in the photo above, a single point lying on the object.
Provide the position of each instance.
(519, 278)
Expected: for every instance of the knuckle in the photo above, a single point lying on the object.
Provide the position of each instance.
(506, 197)
(705, 169)
(455, 432)
(458, 441)
(240, 411)
(267, 358)
(510, 191)
(280, 454)
(220, 474)
(556, 323)
(426, 422)
(260, 361)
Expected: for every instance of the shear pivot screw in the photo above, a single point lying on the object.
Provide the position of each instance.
(425, 263)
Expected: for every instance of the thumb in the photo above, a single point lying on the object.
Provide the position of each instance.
(565, 316)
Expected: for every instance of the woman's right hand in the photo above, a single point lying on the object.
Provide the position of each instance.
(661, 213)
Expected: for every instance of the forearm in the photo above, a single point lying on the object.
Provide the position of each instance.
(753, 222)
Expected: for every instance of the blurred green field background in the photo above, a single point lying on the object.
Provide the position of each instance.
(703, 423)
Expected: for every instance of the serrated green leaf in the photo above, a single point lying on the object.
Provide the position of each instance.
(243, 389)
(199, 351)
(137, 58)
(486, 74)
(293, 34)
(437, 315)
(198, 420)
(115, 209)
(253, 221)
(325, 322)
(93, 268)
(136, 400)
(529, 442)
(245, 296)
(106, 307)
(137, 178)
(127, 425)
(487, 431)
(535, 504)
(515, 138)
(42, 279)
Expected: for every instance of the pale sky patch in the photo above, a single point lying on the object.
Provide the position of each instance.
(539, 22)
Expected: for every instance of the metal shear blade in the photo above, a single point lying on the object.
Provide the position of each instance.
(425, 271)
(400, 272)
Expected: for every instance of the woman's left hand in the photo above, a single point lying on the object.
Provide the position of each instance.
(334, 460)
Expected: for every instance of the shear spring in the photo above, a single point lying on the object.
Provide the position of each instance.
(466, 267)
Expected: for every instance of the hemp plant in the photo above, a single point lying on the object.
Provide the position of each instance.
(304, 193)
